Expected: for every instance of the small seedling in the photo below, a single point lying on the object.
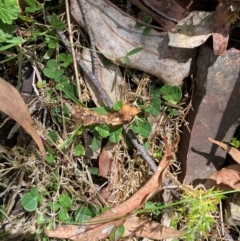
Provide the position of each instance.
(172, 94)
(235, 142)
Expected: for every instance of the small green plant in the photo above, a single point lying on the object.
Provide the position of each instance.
(235, 142)
(62, 206)
(132, 52)
(172, 94)
(31, 199)
(198, 211)
(146, 29)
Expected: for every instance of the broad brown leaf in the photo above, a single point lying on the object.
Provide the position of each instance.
(12, 104)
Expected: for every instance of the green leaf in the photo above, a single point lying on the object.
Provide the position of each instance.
(142, 126)
(1, 214)
(82, 214)
(118, 105)
(154, 92)
(172, 112)
(33, 7)
(6, 31)
(69, 91)
(172, 94)
(103, 130)
(52, 64)
(101, 110)
(65, 201)
(93, 170)
(55, 23)
(126, 59)
(50, 158)
(96, 143)
(9, 10)
(29, 202)
(147, 19)
(53, 136)
(79, 150)
(134, 51)
(34, 191)
(146, 31)
(117, 233)
(41, 219)
(155, 107)
(63, 214)
(116, 135)
(65, 59)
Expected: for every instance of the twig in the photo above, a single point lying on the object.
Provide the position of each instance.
(159, 12)
(72, 50)
(89, 31)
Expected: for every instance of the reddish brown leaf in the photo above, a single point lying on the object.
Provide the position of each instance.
(221, 28)
(233, 152)
(105, 160)
(226, 179)
(102, 225)
(13, 105)
(136, 227)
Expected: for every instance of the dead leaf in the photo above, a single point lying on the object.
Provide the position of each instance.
(89, 117)
(221, 28)
(128, 111)
(192, 31)
(115, 36)
(100, 227)
(105, 160)
(233, 152)
(110, 77)
(226, 179)
(137, 227)
(12, 104)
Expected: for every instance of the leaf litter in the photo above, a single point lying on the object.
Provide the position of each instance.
(127, 173)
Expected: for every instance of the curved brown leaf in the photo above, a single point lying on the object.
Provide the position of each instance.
(12, 104)
(233, 152)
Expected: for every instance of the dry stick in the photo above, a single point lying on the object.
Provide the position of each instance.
(89, 31)
(145, 2)
(106, 99)
(73, 51)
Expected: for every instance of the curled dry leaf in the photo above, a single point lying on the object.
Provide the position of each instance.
(115, 36)
(226, 179)
(221, 28)
(136, 227)
(12, 104)
(100, 227)
(233, 152)
(192, 31)
(89, 117)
